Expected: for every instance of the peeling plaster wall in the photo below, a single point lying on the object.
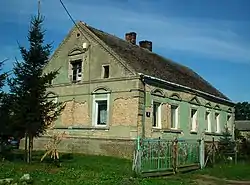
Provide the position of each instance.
(76, 119)
(125, 111)
(75, 114)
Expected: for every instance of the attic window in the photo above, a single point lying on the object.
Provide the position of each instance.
(105, 71)
(76, 70)
(78, 35)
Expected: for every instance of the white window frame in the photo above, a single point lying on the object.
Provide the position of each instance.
(95, 110)
(158, 119)
(78, 74)
(229, 122)
(176, 116)
(194, 119)
(217, 122)
(208, 120)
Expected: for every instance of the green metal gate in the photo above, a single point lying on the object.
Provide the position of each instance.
(161, 156)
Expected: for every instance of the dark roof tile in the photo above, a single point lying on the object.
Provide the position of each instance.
(149, 63)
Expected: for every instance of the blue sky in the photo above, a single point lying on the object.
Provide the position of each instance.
(210, 36)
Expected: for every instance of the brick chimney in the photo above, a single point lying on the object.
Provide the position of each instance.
(146, 44)
(131, 37)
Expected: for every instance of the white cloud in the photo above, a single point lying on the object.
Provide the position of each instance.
(210, 38)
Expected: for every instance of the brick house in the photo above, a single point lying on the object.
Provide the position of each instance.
(115, 90)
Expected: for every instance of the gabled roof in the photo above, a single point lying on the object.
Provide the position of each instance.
(152, 64)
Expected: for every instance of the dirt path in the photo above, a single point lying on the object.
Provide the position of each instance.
(210, 180)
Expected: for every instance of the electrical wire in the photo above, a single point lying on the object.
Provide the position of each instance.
(71, 18)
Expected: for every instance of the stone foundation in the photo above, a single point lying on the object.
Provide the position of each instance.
(123, 148)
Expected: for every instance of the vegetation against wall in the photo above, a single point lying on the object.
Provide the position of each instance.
(242, 111)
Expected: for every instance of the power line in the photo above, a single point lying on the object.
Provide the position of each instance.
(67, 12)
(71, 18)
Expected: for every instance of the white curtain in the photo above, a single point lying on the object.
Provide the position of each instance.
(103, 114)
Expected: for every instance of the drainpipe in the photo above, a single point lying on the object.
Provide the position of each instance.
(144, 106)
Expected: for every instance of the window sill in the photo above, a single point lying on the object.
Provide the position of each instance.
(172, 131)
(218, 133)
(213, 133)
(155, 129)
(85, 128)
(193, 132)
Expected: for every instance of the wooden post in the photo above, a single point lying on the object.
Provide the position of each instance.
(137, 158)
(26, 147)
(213, 152)
(175, 155)
(202, 153)
(235, 152)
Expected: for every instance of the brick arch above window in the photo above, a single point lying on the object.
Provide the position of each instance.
(175, 96)
(217, 107)
(51, 94)
(229, 110)
(195, 100)
(100, 90)
(76, 51)
(208, 105)
(158, 92)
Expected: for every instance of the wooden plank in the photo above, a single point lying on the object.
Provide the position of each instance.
(157, 173)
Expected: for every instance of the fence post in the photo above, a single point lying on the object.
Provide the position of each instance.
(213, 152)
(202, 153)
(235, 152)
(175, 155)
(137, 157)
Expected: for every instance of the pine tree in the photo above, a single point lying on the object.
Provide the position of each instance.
(226, 144)
(32, 110)
(3, 77)
(4, 131)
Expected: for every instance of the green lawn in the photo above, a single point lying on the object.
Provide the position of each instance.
(93, 170)
(240, 171)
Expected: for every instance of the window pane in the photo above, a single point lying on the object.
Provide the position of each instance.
(173, 116)
(217, 122)
(193, 119)
(193, 111)
(79, 68)
(105, 71)
(207, 114)
(74, 74)
(155, 114)
(102, 112)
(76, 69)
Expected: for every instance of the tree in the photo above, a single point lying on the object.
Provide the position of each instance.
(226, 145)
(4, 111)
(242, 111)
(4, 131)
(33, 111)
(3, 77)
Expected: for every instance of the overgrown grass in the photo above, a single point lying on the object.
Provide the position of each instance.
(92, 170)
(239, 171)
(81, 169)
